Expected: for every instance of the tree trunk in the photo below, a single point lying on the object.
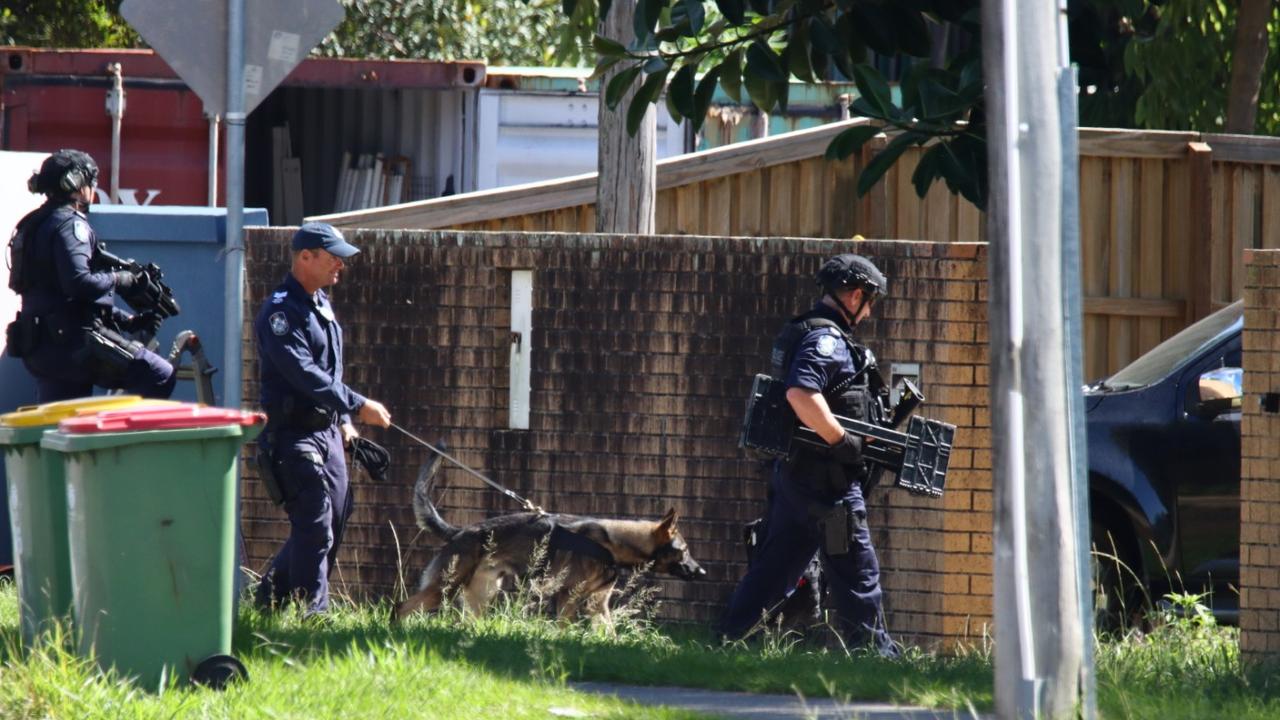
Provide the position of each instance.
(627, 184)
(1248, 57)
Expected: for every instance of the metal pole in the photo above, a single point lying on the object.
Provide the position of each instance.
(115, 108)
(213, 159)
(1073, 308)
(234, 311)
(1038, 653)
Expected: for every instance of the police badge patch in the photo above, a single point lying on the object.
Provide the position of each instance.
(826, 345)
(81, 230)
(279, 323)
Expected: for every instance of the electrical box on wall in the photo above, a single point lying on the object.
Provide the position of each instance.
(898, 371)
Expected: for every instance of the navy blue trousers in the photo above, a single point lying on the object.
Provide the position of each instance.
(59, 378)
(792, 537)
(314, 478)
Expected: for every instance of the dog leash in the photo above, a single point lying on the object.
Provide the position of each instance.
(524, 503)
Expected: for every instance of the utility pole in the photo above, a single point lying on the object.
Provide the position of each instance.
(1039, 638)
(627, 179)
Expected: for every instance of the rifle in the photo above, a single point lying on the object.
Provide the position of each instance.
(149, 293)
(918, 457)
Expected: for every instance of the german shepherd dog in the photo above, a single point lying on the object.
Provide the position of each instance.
(581, 555)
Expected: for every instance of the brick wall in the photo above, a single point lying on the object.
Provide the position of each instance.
(1260, 459)
(643, 354)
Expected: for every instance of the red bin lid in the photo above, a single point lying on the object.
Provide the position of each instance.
(159, 418)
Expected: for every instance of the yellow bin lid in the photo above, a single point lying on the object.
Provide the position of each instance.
(54, 412)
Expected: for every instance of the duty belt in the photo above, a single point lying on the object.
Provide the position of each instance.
(300, 418)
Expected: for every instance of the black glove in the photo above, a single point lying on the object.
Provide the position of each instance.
(848, 450)
(125, 279)
(145, 322)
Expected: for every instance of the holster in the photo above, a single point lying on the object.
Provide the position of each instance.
(269, 473)
(107, 354)
(837, 529)
(22, 335)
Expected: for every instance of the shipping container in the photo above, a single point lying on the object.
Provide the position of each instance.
(418, 115)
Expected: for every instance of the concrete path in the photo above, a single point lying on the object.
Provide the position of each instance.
(746, 706)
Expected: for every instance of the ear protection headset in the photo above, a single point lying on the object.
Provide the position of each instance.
(64, 172)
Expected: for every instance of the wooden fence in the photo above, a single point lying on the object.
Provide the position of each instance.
(1165, 217)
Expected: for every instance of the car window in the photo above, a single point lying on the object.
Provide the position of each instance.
(1164, 358)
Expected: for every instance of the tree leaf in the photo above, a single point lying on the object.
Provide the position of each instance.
(927, 170)
(873, 88)
(676, 115)
(702, 98)
(873, 24)
(568, 6)
(680, 92)
(885, 159)
(797, 54)
(964, 166)
(696, 13)
(850, 141)
(618, 86)
(603, 67)
(911, 30)
(733, 10)
(761, 92)
(646, 17)
(822, 37)
(761, 7)
(854, 50)
(645, 96)
(731, 75)
(763, 63)
(607, 47)
(654, 64)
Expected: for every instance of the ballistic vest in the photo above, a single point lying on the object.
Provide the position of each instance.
(853, 397)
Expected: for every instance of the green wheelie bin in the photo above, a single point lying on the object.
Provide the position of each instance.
(151, 524)
(38, 510)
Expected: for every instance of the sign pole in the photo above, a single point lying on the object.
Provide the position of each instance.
(235, 116)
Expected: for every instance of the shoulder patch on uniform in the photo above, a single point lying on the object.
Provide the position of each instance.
(279, 323)
(81, 229)
(279, 296)
(826, 345)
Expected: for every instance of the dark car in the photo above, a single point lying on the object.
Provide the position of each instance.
(1164, 471)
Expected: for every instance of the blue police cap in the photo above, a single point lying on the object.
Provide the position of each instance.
(323, 236)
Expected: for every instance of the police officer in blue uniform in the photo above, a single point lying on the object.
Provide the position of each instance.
(309, 412)
(816, 497)
(70, 334)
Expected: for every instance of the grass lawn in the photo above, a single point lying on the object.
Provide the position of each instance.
(509, 665)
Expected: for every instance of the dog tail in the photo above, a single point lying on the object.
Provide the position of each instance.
(423, 509)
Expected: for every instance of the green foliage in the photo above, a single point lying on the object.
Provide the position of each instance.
(1185, 67)
(499, 32)
(65, 24)
(759, 45)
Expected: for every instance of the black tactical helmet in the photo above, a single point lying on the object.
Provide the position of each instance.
(852, 271)
(63, 173)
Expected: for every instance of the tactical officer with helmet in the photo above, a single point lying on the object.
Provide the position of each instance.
(309, 411)
(70, 334)
(816, 497)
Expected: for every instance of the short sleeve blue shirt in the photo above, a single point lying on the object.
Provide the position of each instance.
(300, 350)
(823, 359)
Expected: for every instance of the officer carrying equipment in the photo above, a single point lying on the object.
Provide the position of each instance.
(918, 457)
